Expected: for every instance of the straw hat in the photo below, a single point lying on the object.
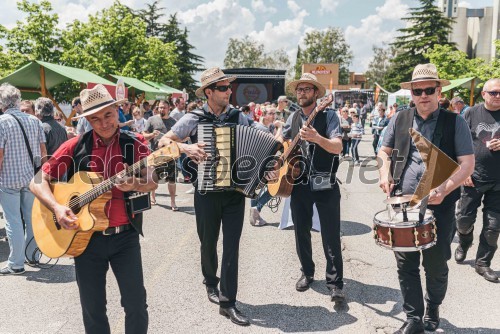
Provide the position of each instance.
(424, 72)
(95, 99)
(211, 76)
(307, 78)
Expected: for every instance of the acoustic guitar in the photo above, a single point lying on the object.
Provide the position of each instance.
(86, 194)
(288, 162)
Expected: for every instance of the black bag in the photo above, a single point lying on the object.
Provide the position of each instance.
(320, 181)
(26, 141)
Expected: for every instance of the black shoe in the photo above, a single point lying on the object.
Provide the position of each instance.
(461, 253)
(235, 315)
(304, 282)
(337, 294)
(431, 318)
(487, 273)
(411, 327)
(213, 294)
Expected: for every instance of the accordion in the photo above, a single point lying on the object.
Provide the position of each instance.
(237, 157)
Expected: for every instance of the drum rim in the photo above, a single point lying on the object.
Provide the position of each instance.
(406, 249)
(411, 223)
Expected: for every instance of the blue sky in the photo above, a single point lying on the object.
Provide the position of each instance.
(275, 23)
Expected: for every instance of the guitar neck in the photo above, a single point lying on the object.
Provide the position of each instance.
(297, 141)
(108, 184)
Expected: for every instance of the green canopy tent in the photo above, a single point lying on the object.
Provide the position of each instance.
(164, 87)
(136, 85)
(38, 77)
(469, 83)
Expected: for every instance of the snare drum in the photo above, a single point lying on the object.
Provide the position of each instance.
(400, 236)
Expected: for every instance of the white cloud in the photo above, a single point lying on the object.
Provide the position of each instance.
(259, 6)
(293, 6)
(212, 24)
(371, 32)
(328, 5)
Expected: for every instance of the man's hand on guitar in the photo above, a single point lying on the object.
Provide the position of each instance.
(309, 134)
(127, 183)
(194, 151)
(65, 217)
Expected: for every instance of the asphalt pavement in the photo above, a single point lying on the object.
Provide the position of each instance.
(47, 301)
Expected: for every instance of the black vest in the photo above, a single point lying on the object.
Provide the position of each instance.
(443, 137)
(322, 161)
(81, 160)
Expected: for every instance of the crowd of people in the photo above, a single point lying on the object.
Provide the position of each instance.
(103, 127)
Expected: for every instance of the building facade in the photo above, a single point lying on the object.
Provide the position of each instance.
(475, 29)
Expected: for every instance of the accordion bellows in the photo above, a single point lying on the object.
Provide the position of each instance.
(237, 157)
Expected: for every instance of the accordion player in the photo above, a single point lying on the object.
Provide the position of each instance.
(237, 157)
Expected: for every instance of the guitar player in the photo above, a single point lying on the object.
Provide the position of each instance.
(321, 147)
(104, 150)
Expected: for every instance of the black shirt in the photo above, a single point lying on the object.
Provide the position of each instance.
(484, 125)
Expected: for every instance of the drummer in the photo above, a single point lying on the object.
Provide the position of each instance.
(402, 173)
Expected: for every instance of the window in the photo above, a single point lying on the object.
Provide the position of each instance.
(455, 9)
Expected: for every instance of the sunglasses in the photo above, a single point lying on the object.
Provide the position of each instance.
(494, 94)
(428, 91)
(222, 88)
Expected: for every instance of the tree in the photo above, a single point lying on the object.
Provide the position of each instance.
(187, 62)
(328, 46)
(114, 42)
(36, 37)
(427, 27)
(151, 17)
(379, 65)
(452, 63)
(247, 52)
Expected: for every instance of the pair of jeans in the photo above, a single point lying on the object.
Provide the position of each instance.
(122, 252)
(15, 202)
(346, 144)
(261, 200)
(354, 148)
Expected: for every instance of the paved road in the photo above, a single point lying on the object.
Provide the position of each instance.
(46, 300)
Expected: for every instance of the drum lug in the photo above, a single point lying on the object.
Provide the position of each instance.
(415, 232)
(390, 236)
(375, 232)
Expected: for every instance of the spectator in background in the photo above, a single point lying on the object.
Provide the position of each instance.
(82, 124)
(379, 123)
(147, 110)
(357, 131)
(191, 106)
(179, 111)
(126, 110)
(139, 121)
(76, 104)
(363, 113)
(391, 112)
(55, 134)
(16, 172)
(459, 106)
(444, 103)
(123, 123)
(27, 107)
(345, 124)
(155, 127)
(247, 112)
(199, 103)
(252, 106)
(282, 109)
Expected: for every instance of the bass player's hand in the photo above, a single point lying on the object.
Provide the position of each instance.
(65, 217)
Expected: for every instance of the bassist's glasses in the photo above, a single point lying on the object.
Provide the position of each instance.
(428, 91)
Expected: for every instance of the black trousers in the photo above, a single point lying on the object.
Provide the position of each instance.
(469, 203)
(376, 137)
(212, 209)
(328, 205)
(123, 252)
(434, 261)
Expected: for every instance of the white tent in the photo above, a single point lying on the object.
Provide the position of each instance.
(402, 96)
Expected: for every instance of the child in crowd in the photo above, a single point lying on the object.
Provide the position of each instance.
(139, 121)
(357, 131)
